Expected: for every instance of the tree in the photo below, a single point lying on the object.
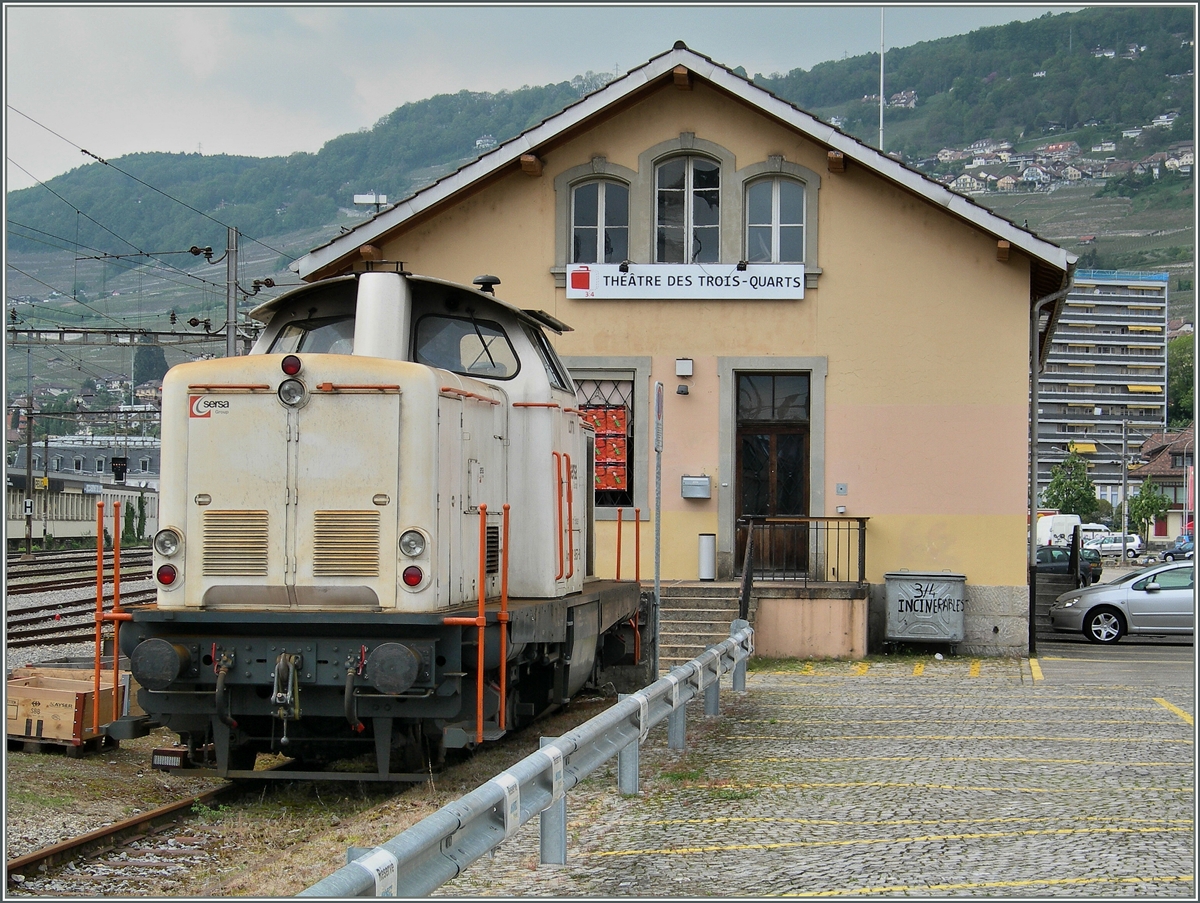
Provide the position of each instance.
(1147, 507)
(1071, 490)
(1181, 367)
(149, 363)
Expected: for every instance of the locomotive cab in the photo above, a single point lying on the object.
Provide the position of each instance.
(336, 504)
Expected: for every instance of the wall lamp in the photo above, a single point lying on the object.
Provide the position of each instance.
(742, 266)
(624, 267)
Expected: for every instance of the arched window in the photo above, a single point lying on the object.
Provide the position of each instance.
(775, 221)
(599, 222)
(687, 210)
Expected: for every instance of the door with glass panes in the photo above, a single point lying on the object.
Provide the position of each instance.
(772, 469)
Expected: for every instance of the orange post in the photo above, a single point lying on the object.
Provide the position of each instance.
(618, 543)
(99, 609)
(116, 602)
(637, 545)
(570, 523)
(558, 518)
(504, 620)
(481, 621)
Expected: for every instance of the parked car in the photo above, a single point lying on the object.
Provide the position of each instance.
(1057, 560)
(1111, 545)
(1181, 550)
(1092, 557)
(1155, 600)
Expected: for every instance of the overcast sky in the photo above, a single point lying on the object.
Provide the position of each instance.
(272, 80)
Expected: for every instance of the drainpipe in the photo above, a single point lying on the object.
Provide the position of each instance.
(1034, 368)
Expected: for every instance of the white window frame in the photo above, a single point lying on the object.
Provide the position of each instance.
(601, 226)
(689, 205)
(775, 224)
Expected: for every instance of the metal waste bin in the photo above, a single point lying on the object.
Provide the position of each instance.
(926, 606)
(708, 556)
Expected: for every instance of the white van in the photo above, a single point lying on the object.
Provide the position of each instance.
(1057, 529)
(1088, 532)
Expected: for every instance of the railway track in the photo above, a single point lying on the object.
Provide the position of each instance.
(41, 625)
(147, 826)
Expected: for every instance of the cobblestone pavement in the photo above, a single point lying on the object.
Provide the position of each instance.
(911, 777)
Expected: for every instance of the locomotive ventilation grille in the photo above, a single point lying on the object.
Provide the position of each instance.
(493, 550)
(346, 544)
(235, 543)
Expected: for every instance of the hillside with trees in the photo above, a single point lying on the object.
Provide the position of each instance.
(983, 84)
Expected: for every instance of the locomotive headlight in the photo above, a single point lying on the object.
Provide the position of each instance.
(412, 543)
(167, 542)
(292, 392)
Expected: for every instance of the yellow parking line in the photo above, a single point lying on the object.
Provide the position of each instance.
(1035, 669)
(860, 668)
(807, 669)
(975, 665)
(969, 885)
(1171, 708)
(918, 669)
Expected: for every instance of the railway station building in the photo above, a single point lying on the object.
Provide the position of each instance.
(838, 337)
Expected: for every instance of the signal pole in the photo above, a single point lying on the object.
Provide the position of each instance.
(28, 454)
(231, 253)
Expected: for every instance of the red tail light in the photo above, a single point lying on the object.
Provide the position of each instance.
(291, 365)
(412, 576)
(166, 574)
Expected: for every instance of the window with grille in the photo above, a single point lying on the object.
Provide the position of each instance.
(607, 405)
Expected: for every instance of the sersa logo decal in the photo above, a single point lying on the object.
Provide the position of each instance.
(203, 406)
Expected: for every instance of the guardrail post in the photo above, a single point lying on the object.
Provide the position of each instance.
(553, 826)
(677, 728)
(627, 764)
(739, 670)
(712, 694)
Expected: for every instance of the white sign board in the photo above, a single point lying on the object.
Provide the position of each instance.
(685, 282)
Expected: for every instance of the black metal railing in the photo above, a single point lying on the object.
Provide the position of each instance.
(807, 549)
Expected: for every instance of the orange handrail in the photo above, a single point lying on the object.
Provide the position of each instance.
(618, 543)
(570, 522)
(504, 621)
(482, 622)
(536, 404)
(637, 545)
(450, 390)
(99, 609)
(116, 609)
(558, 519)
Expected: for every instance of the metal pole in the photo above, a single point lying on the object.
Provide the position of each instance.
(231, 252)
(29, 453)
(658, 447)
(677, 728)
(627, 763)
(1124, 488)
(881, 79)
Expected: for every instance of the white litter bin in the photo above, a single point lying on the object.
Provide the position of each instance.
(708, 556)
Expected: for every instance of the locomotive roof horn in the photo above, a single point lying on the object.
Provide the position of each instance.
(486, 283)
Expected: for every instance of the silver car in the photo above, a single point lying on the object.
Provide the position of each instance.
(1153, 600)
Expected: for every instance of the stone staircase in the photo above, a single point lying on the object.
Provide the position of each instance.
(694, 616)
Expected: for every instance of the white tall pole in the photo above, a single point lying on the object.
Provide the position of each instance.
(658, 447)
(881, 79)
(1124, 488)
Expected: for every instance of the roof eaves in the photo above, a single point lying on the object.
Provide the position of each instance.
(733, 83)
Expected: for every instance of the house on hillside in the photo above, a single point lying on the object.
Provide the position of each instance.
(904, 100)
(968, 184)
(827, 322)
(1168, 457)
(1007, 182)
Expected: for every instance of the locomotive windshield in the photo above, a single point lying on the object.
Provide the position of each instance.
(465, 345)
(326, 335)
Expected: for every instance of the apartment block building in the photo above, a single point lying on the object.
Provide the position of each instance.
(1106, 371)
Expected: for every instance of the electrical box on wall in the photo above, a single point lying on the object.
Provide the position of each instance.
(696, 487)
(683, 366)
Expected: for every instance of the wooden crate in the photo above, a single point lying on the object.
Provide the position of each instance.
(129, 686)
(57, 709)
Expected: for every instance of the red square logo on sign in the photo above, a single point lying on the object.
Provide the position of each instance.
(581, 278)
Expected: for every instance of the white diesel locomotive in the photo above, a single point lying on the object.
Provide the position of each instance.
(375, 534)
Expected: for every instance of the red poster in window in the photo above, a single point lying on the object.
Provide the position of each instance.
(617, 419)
(596, 417)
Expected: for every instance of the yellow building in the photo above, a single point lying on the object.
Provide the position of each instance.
(837, 334)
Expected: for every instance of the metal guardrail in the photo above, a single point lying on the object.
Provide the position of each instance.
(808, 549)
(441, 846)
